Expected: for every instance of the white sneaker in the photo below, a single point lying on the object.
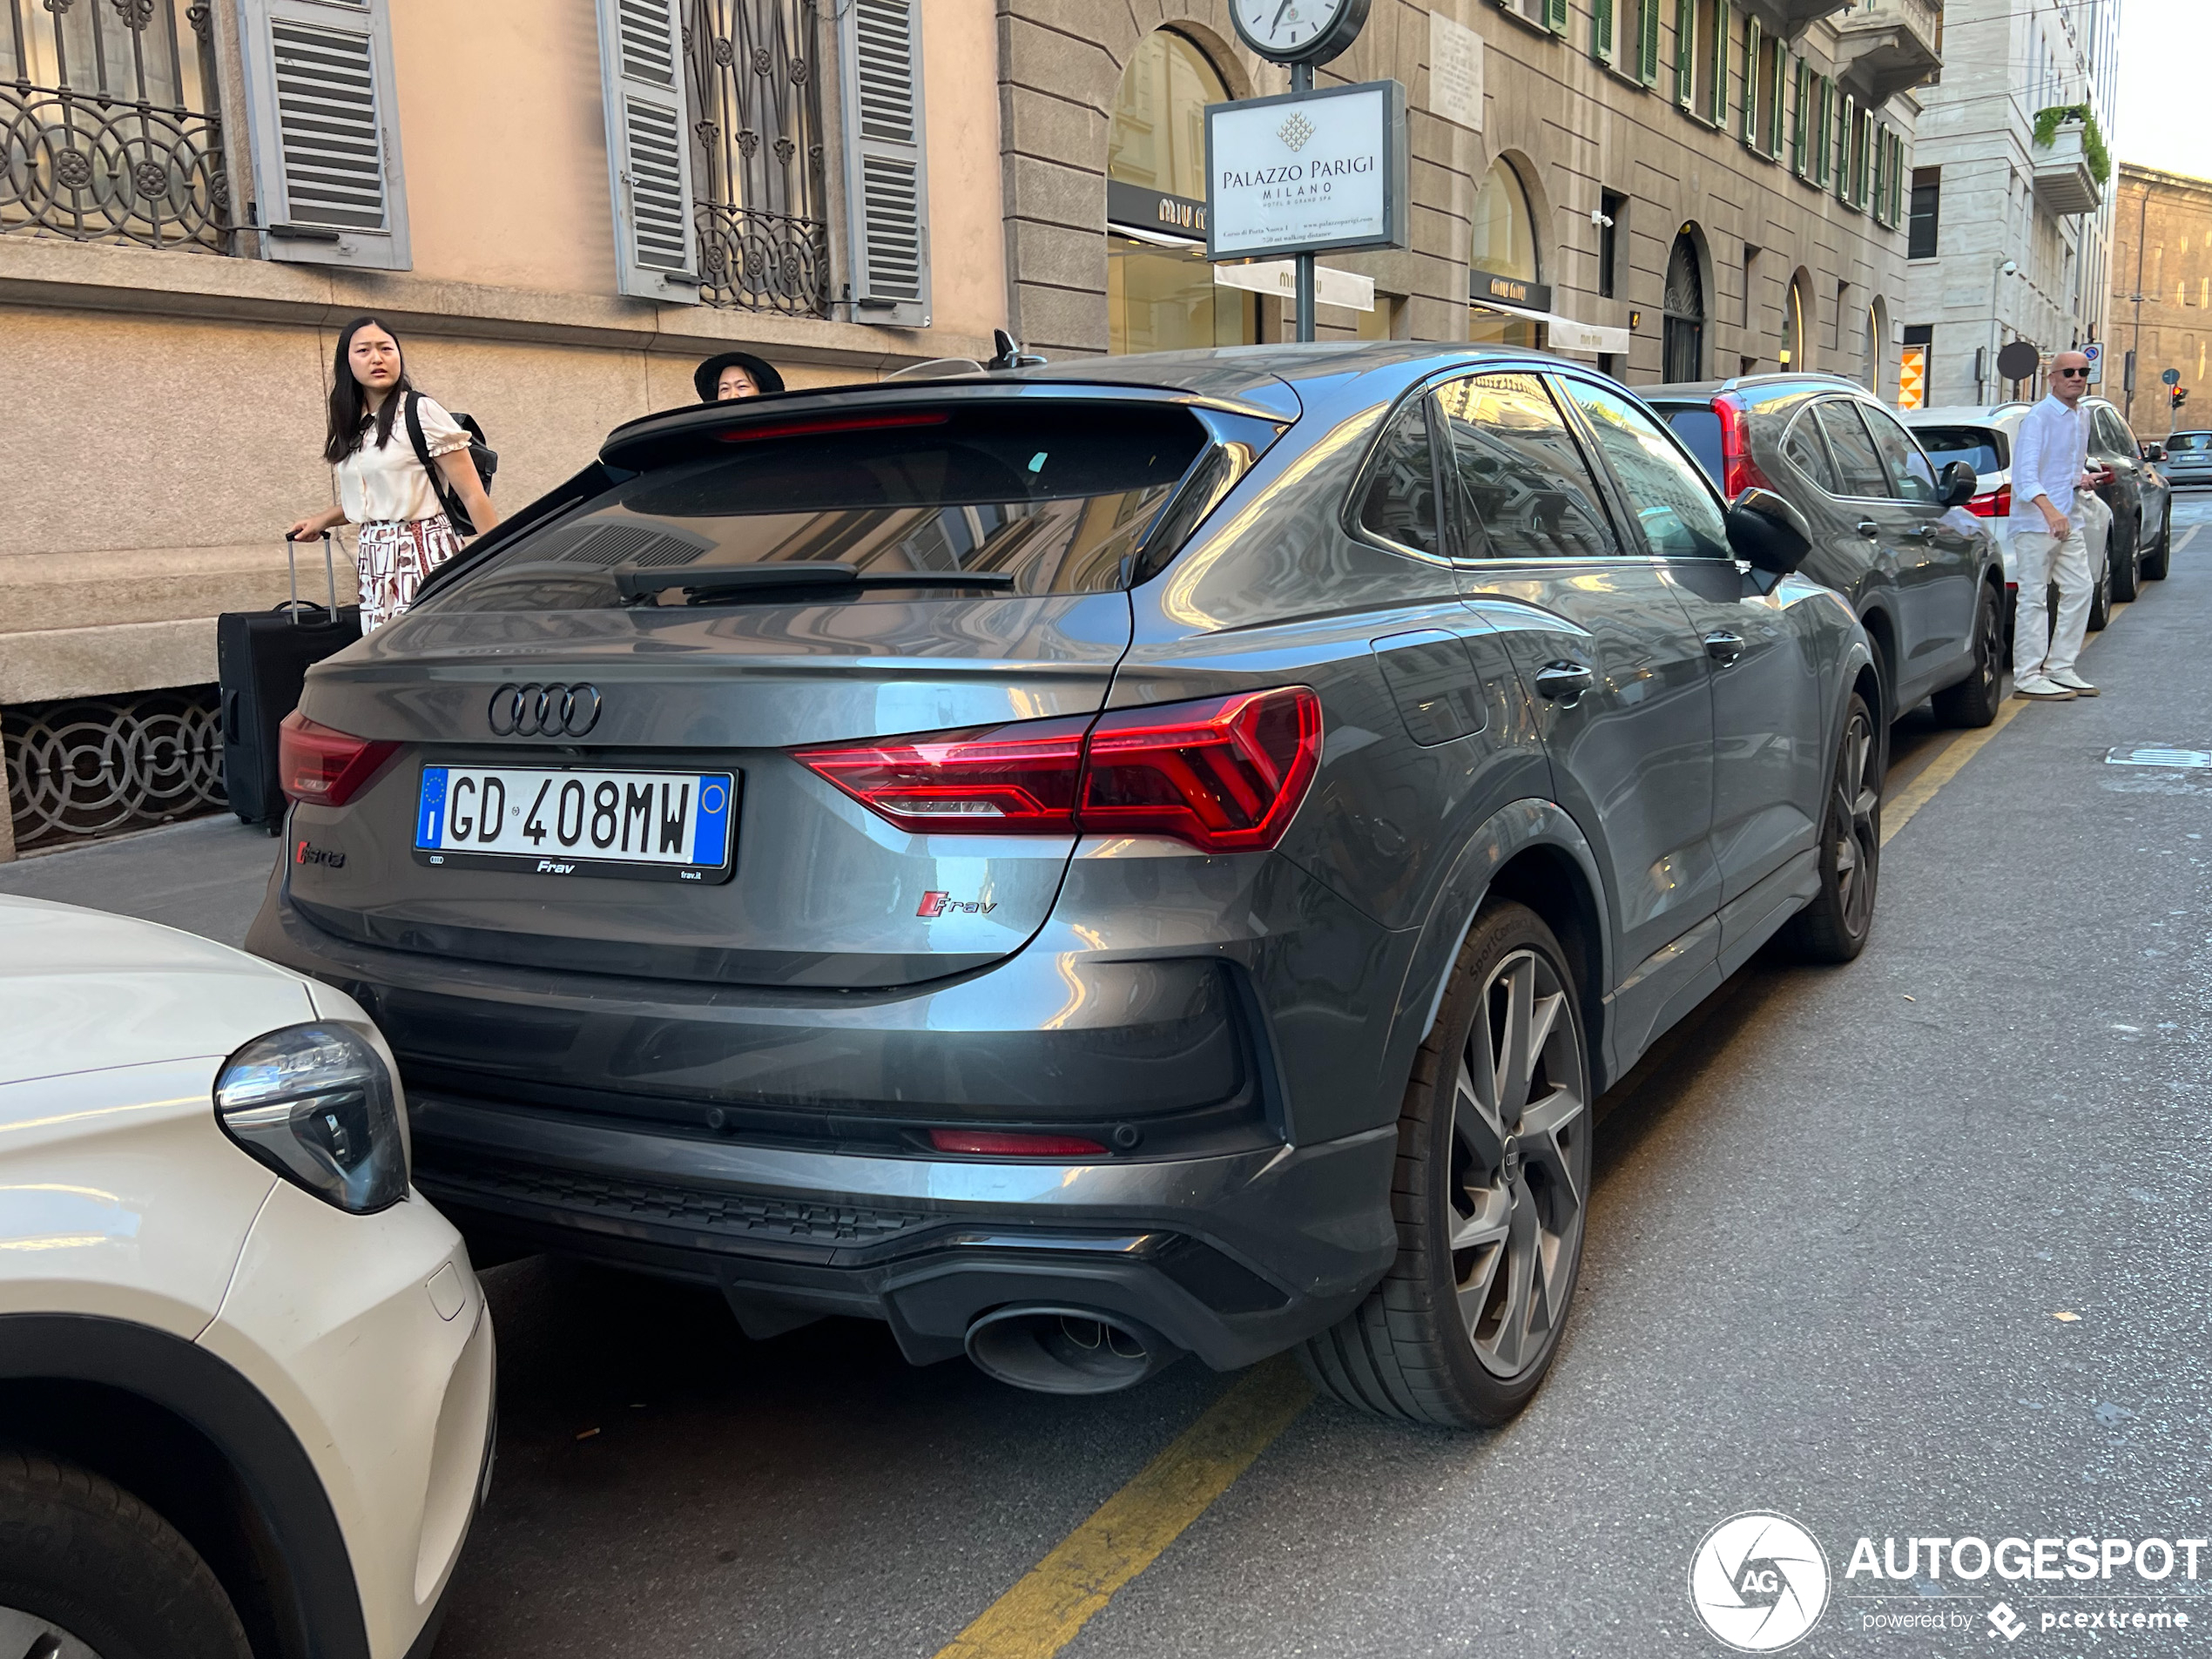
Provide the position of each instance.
(2042, 689)
(2071, 681)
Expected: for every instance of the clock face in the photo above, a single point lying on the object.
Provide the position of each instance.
(1286, 27)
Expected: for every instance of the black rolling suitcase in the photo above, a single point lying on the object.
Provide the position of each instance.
(262, 657)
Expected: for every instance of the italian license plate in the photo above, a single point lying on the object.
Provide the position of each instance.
(649, 825)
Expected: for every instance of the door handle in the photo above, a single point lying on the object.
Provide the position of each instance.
(1868, 528)
(1724, 647)
(1922, 532)
(1563, 682)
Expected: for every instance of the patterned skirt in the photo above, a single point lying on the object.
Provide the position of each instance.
(394, 557)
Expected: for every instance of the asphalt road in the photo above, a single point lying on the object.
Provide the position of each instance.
(1835, 1227)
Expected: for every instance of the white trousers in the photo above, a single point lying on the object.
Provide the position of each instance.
(2038, 559)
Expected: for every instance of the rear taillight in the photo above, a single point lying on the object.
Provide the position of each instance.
(1738, 471)
(320, 767)
(1995, 503)
(1225, 774)
(991, 1143)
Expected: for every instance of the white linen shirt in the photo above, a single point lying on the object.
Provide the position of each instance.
(2047, 459)
(389, 485)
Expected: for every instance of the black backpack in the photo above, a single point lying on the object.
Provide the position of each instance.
(481, 455)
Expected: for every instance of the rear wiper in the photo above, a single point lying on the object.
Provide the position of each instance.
(765, 581)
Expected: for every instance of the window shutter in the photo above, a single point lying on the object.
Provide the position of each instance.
(1648, 42)
(1555, 15)
(1685, 52)
(1750, 113)
(1845, 122)
(1602, 31)
(324, 130)
(1723, 13)
(886, 179)
(649, 150)
(1779, 92)
(1797, 119)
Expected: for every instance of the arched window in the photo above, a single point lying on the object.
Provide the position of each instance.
(1796, 340)
(1685, 308)
(1160, 292)
(1504, 244)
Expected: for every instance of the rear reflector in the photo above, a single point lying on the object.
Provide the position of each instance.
(991, 1145)
(321, 767)
(1995, 503)
(1225, 774)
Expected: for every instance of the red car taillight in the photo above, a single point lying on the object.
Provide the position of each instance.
(1738, 471)
(321, 767)
(1995, 503)
(1225, 774)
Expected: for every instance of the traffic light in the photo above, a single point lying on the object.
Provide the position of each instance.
(2180, 395)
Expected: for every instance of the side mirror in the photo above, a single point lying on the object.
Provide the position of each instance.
(2153, 452)
(1767, 533)
(1959, 481)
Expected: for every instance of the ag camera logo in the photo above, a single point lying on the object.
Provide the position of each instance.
(1758, 1581)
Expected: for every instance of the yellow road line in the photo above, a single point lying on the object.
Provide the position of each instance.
(1896, 814)
(1042, 1614)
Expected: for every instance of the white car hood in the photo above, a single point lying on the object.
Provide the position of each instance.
(81, 990)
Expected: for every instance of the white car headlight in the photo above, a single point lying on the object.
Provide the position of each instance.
(315, 1103)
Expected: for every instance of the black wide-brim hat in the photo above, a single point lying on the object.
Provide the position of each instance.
(708, 374)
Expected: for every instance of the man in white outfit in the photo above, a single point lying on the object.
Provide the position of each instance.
(2045, 528)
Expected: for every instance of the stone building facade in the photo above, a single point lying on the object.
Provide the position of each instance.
(2161, 295)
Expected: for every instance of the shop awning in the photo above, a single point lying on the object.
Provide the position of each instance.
(1567, 333)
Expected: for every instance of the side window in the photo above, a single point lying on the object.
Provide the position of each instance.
(1400, 502)
(1523, 481)
(1802, 448)
(1858, 469)
(2117, 439)
(1910, 476)
(1676, 507)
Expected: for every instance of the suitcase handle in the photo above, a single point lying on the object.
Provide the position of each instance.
(330, 575)
(230, 717)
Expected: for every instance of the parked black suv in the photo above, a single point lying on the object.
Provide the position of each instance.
(1888, 532)
(2141, 502)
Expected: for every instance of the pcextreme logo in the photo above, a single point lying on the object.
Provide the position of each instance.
(1758, 1581)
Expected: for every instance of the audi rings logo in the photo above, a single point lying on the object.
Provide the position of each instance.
(543, 710)
(1758, 1581)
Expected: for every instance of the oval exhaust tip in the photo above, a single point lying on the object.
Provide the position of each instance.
(1067, 1351)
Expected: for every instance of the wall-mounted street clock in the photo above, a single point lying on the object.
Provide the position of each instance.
(1298, 31)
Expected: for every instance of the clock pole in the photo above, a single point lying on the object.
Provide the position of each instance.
(1302, 81)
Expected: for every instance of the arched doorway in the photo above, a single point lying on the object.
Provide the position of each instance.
(1160, 292)
(1503, 245)
(1877, 330)
(1684, 341)
(1797, 338)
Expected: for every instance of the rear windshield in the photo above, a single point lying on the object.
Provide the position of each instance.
(1699, 428)
(2180, 442)
(1978, 447)
(1056, 496)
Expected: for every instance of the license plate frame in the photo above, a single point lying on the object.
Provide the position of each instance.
(434, 781)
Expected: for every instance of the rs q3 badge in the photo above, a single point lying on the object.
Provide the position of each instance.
(943, 904)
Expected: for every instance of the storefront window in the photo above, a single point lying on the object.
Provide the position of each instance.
(1504, 244)
(1160, 292)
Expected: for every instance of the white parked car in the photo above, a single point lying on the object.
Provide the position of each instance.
(246, 1374)
(1982, 435)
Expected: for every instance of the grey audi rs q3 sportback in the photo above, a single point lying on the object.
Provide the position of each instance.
(1089, 863)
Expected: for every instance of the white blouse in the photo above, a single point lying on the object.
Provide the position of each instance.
(389, 485)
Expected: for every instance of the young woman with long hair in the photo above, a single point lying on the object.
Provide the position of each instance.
(382, 486)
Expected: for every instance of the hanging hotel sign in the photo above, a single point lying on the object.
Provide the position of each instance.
(1305, 173)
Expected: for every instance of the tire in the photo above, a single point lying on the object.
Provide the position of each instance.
(2156, 564)
(1489, 1196)
(2125, 570)
(1973, 700)
(1835, 927)
(82, 1555)
(2099, 602)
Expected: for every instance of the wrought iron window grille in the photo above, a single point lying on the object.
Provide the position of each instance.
(761, 204)
(109, 124)
(99, 766)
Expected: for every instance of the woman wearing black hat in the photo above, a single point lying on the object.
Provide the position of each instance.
(733, 374)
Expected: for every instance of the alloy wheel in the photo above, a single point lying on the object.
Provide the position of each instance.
(1519, 1167)
(1990, 660)
(1855, 824)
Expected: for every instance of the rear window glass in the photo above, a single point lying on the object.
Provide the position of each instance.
(1700, 431)
(1978, 447)
(1055, 496)
(2181, 443)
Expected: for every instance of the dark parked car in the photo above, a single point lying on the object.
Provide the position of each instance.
(2188, 459)
(1090, 863)
(1890, 533)
(2142, 505)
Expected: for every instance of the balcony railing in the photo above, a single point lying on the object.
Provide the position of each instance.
(2065, 182)
(757, 165)
(1883, 47)
(109, 130)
